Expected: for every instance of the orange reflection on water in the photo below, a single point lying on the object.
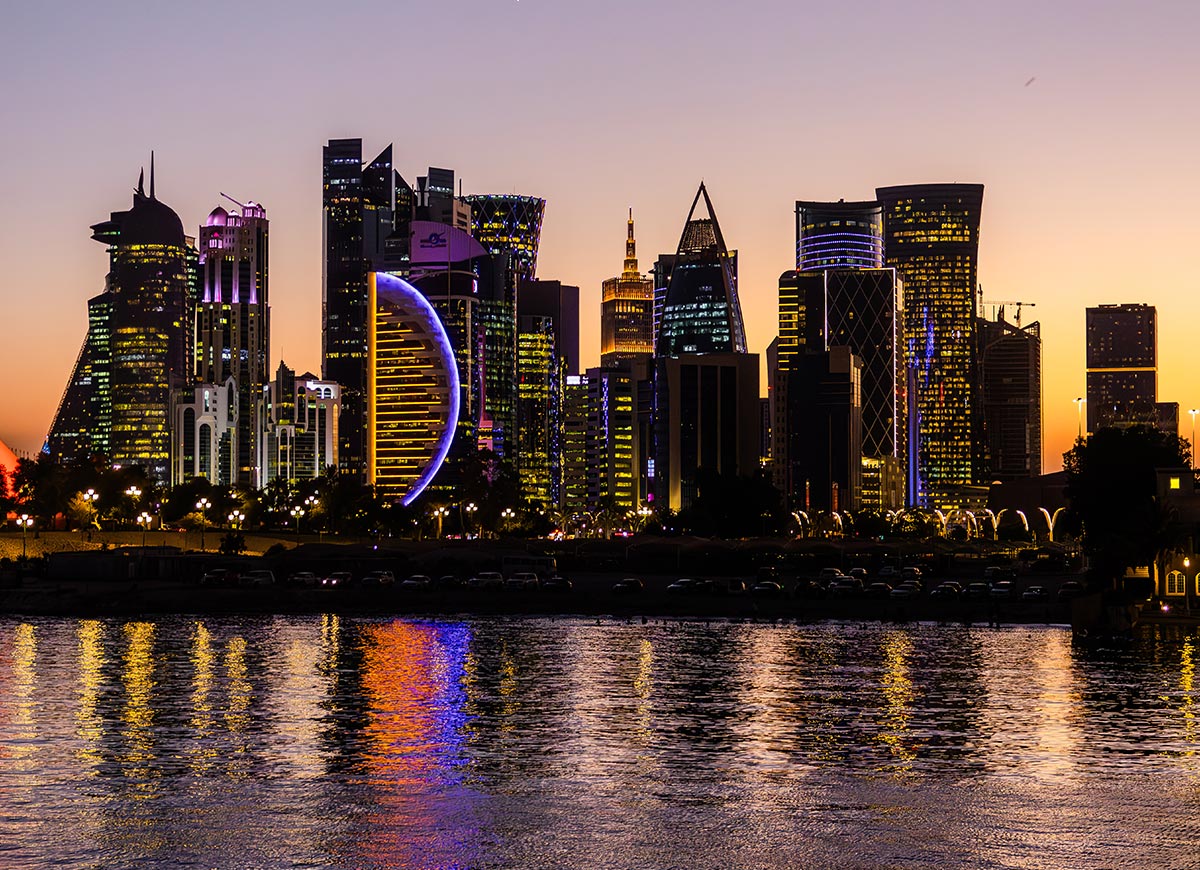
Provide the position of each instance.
(1187, 675)
(89, 724)
(137, 716)
(898, 696)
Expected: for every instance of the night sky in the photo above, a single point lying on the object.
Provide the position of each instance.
(1080, 118)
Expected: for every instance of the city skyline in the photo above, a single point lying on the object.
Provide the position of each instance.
(1048, 152)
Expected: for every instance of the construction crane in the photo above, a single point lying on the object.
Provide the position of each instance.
(999, 304)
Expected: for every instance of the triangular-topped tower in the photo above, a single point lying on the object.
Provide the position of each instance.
(701, 313)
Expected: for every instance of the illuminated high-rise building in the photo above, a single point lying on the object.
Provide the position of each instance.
(539, 409)
(413, 390)
(140, 342)
(366, 210)
(233, 331)
(508, 222)
(1122, 366)
(627, 310)
(839, 235)
(931, 238)
(701, 312)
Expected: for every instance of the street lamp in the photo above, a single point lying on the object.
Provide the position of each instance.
(297, 512)
(203, 505)
(89, 498)
(470, 508)
(24, 521)
(236, 519)
(506, 516)
(440, 513)
(1079, 403)
(144, 519)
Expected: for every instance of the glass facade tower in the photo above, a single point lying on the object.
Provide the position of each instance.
(931, 238)
(627, 310)
(839, 235)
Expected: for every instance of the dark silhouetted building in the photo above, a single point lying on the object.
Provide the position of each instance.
(839, 235)
(1122, 366)
(931, 238)
(1010, 377)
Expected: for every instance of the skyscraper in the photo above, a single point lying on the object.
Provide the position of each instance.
(701, 312)
(413, 390)
(1122, 365)
(508, 222)
(359, 233)
(931, 238)
(627, 310)
(233, 336)
(839, 235)
(1010, 377)
(139, 345)
(299, 437)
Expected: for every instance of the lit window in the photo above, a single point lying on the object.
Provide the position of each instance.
(1174, 483)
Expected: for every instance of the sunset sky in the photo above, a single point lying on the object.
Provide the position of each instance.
(1080, 118)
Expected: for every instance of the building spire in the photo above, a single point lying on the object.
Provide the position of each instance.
(152, 175)
(631, 263)
(140, 190)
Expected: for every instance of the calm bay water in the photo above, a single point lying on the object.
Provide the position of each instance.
(326, 741)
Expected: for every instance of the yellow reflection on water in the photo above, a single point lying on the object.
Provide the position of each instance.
(138, 714)
(89, 724)
(237, 706)
(24, 680)
(511, 702)
(898, 696)
(643, 686)
(1187, 675)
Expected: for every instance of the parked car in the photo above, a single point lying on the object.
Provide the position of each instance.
(1002, 589)
(336, 579)
(1070, 589)
(828, 575)
(846, 587)
(681, 586)
(304, 578)
(910, 573)
(878, 589)
(487, 580)
(417, 583)
(766, 589)
(447, 581)
(378, 578)
(220, 577)
(977, 590)
(1035, 593)
(948, 590)
(887, 572)
(628, 586)
(906, 590)
(260, 578)
(557, 584)
(522, 580)
(859, 574)
(809, 589)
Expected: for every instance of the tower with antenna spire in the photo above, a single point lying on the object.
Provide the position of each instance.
(627, 310)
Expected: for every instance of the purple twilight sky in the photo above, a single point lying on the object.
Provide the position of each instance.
(1080, 118)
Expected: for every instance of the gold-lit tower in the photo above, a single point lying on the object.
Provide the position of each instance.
(627, 311)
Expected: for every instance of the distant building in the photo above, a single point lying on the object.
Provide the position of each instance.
(839, 235)
(931, 238)
(139, 347)
(204, 428)
(1122, 366)
(627, 310)
(300, 418)
(233, 327)
(1010, 376)
(539, 409)
(365, 215)
(413, 390)
(560, 303)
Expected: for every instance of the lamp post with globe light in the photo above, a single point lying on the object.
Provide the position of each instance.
(297, 512)
(24, 521)
(506, 517)
(202, 506)
(89, 498)
(144, 520)
(470, 508)
(440, 513)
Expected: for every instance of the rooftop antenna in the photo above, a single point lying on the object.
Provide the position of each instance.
(152, 175)
(234, 201)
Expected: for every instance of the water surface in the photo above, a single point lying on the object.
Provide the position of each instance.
(537, 743)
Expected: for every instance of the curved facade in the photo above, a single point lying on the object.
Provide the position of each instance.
(839, 235)
(701, 311)
(509, 222)
(413, 390)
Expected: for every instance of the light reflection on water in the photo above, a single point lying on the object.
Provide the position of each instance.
(314, 742)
